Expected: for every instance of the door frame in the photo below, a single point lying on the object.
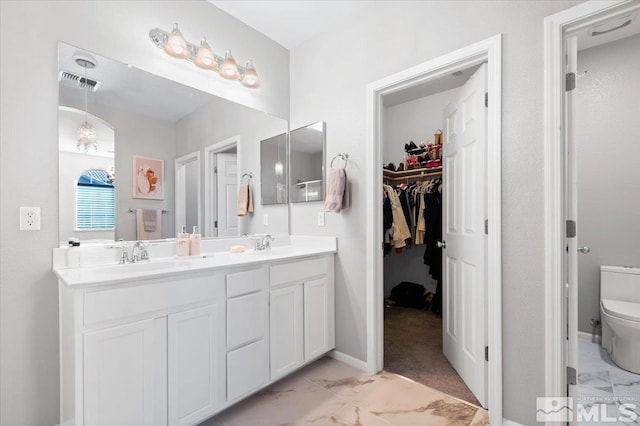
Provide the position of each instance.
(555, 28)
(490, 51)
(180, 187)
(210, 178)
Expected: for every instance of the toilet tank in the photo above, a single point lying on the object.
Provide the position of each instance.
(620, 283)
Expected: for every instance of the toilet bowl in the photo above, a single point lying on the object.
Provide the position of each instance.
(620, 314)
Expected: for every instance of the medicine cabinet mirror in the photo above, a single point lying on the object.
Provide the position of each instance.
(273, 170)
(307, 147)
(137, 113)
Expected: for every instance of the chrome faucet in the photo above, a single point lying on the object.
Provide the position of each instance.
(139, 253)
(262, 242)
(124, 253)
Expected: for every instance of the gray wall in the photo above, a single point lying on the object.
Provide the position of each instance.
(608, 126)
(329, 74)
(29, 376)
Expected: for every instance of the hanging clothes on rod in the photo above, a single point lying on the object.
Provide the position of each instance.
(400, 229)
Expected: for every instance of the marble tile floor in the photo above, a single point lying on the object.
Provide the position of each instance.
(329, 392)
(600, 380)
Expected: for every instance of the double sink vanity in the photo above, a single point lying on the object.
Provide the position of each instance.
(173, 341)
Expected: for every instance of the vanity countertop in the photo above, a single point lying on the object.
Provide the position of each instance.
(104, 274)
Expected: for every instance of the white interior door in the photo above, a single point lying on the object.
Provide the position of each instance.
(227, 194)
(464, 200)
(571, 209)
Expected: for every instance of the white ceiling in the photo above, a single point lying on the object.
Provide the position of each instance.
(130, 89)
(290, 23)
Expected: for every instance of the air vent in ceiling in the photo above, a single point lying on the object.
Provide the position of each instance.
(71, 79)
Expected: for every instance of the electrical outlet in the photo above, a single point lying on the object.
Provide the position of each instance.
(265, 219)
(320, 218)
(29, 218)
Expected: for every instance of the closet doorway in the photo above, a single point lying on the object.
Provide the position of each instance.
(433, 214)
(465, 255)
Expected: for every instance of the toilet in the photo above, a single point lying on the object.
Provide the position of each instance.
(620, 313)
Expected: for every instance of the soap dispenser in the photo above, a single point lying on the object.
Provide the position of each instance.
(196, 242)
(182, 242)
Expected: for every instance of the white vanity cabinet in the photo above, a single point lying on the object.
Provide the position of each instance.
(143, 353)
(302, 319)
(178, 347)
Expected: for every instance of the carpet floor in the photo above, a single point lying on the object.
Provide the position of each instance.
(413, 349)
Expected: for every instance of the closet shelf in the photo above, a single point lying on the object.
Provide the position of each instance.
(391, 176)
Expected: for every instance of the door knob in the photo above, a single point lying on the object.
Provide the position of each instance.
(441, 244)
(584, 250)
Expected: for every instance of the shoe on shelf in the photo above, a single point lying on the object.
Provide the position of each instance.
(390, 166)
(412, 145)
(400, 167)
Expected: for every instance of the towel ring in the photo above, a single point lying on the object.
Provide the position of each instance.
(249, 175)
(342, 155)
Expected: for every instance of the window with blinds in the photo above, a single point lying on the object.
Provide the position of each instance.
(95, 201)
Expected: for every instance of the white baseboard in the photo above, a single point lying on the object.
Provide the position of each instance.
(506, 422)
(588, 336)
(348, 359)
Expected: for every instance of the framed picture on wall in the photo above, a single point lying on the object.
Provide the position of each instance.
(148, 178)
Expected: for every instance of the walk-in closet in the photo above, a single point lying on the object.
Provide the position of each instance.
(420, 124)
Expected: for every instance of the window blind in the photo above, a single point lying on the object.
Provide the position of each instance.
(95, 201)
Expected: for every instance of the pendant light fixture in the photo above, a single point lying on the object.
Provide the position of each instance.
(175, 45)
(87, 136)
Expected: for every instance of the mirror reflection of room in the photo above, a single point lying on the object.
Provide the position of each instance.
(274, 170)
(134, 114)
(307, 163)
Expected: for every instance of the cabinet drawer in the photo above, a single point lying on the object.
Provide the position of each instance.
(246, 318)
(246, 282)
(297, 271)
(113, 304)
(247, 369)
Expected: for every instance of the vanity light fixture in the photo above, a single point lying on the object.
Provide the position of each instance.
(174, 44)
(87, 136)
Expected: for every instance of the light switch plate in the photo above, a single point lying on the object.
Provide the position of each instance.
(29, 218)
(320, 218)
(265, 219)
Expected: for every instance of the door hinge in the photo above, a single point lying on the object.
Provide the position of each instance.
(571, 376)
(486, 99)
(215, 224)
(486, 353)
(569, 81)
(571, 228)
(215, 170)
(486, 226)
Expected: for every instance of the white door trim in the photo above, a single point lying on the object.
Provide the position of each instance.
(489, 50)
(555, 28)
(210, 202)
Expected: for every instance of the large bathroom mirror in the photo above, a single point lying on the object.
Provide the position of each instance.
(307, 145)
(143, 132)
(273, 170)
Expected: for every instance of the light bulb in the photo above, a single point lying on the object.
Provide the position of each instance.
(176, 45)
(205, 57)
(229, 68)
(250, 78)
